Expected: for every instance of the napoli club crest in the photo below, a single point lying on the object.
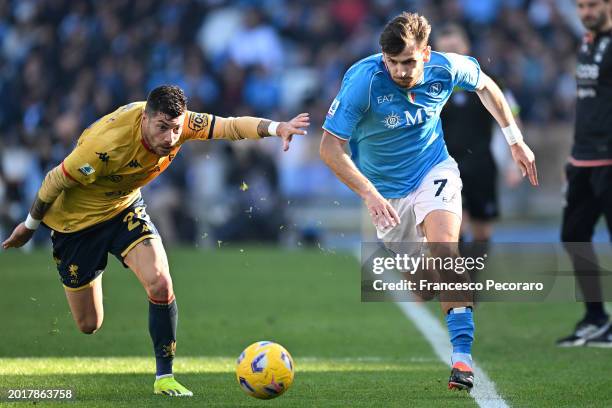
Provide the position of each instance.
(435, 89)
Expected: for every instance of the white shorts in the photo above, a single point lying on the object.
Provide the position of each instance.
(439, 190)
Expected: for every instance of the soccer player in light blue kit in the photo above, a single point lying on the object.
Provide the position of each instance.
(388, 110)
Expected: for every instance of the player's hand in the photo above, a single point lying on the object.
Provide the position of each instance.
(20, 236)
(524, 157)
(383, 214)
(295, 126)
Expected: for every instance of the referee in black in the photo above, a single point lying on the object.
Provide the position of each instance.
(589, 171)
(468, 130)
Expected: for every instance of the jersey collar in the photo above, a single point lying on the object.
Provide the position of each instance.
(146, 145)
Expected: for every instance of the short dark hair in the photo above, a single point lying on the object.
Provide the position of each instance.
(167, 99)
(406, 26)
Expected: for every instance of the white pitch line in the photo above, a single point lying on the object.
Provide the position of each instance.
(484, 392)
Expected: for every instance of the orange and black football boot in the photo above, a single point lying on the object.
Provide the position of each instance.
(461, 378)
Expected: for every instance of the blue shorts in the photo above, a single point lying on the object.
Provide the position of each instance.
(82, 256)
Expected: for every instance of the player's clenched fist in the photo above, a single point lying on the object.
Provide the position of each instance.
(20, 236)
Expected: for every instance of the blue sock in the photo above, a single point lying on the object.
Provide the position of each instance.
(460, 323)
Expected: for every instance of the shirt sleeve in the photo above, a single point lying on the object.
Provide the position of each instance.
(466, 71)
(349, 106)
(198, 126)
(54, 183)
(88, 161)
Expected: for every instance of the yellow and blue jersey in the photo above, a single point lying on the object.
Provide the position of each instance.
(394, 133)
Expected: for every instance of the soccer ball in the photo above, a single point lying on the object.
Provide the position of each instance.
(264, 370)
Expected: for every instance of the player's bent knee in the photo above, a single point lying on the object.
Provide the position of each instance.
(160, 290)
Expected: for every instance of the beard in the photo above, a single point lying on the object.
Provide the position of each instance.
(594, 24)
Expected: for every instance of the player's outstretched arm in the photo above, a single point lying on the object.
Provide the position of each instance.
(285, 130)
(333, 153)
(246, 127)
(55, 182)
(493, 99)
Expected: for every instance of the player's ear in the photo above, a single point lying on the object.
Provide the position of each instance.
(427, 53)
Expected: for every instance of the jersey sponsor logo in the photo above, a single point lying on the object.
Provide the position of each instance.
(115, 178)
(86, 169)
(134, 164)
(384, 98)
(587, 71)
(392, 120)
(421, 115)
(333, 108)
(586, 93)
(435, 89)
(103, 157)
(197, 121)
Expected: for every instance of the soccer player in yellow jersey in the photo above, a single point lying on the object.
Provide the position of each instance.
(92, 204)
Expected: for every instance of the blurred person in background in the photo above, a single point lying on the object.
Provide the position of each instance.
(589, 171)
(214, 50)
(93, 205)
(253, 193)
(470, 146)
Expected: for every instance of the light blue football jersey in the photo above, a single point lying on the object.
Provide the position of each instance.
(394, 133)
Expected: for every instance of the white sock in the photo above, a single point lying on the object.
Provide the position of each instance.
(461, 357)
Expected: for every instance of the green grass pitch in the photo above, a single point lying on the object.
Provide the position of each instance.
(347, 353)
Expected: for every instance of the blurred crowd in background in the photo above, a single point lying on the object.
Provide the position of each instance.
(65, 63)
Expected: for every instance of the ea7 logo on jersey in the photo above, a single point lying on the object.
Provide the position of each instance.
(384, 98)
(333, 107)
(86, 169)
